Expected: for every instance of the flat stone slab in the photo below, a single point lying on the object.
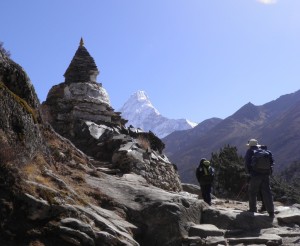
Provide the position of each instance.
(289, 216)
(266, 239)
(212, 241)
(205, 230)
(191, 188)
(108, 170)
(236, 219)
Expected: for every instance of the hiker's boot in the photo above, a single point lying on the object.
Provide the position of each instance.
(262, 209)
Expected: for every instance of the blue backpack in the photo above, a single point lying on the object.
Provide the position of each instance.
(261, 161)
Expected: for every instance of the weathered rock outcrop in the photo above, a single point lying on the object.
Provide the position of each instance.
(19, 113)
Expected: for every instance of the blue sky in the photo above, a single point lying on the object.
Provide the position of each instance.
(195, 59)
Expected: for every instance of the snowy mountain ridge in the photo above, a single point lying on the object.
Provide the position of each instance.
(140, 113)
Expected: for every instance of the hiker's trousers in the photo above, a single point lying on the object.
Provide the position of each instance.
(206, 193)
(260, 183)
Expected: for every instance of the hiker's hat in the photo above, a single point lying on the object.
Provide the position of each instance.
(252, 142)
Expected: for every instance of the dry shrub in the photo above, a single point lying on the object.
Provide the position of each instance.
(35, 167)
(36, 243)
(29, 170)
(78, 159)
(43, 180)
(48, 195)
(40, 161)
(143, 142)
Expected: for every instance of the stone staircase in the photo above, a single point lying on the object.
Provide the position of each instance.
(105, 167)
(236, 227)
(207, 234)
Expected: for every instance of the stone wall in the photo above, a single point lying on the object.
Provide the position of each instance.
(154, 167)
(127, 154)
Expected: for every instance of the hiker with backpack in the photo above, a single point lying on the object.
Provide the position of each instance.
(259, 165)
(205, 175)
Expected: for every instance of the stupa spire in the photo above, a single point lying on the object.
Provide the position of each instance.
(82, 67)
(81, 42)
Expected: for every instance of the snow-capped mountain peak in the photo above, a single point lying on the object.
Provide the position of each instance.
(141, 96)
(140, 113)
(192, 124)
(137, 103)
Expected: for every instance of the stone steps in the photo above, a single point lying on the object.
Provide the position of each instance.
(265, 239)
(105, 167)
(108, 170)
(208, 234)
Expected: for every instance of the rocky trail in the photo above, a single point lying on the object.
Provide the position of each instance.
(227, 222)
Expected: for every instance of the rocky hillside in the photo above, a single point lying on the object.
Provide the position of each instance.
(140, 113)
(123, 192)
(274, 124)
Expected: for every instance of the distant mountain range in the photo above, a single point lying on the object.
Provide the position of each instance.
(140, 113)
(275, 124)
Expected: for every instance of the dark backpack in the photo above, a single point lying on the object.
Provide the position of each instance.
(261, 161)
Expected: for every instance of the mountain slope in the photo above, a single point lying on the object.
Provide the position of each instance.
(275, 124)
(181, 141)
(140, 113)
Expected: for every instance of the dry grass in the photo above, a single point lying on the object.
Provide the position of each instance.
(73, 177)
(79, 178)
(143, 142)
(34, 169)
(30, 170)
(44, 181)
(36, 243)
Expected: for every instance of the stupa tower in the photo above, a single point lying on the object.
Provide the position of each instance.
(80, 98)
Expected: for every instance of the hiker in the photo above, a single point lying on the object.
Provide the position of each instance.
(259, 164)
(205, 176)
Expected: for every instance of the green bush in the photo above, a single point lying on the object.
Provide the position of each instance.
(230, 173)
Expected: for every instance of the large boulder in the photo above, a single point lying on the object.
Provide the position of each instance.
(162, 218)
